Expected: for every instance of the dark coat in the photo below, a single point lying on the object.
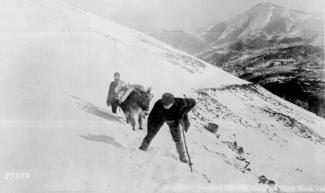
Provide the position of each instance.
(111, 96)
(180, 108)
(159, 115)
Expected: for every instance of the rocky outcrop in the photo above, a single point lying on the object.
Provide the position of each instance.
(293, 72)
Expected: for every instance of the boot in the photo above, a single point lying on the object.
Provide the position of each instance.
(181, 151)
(144, 146)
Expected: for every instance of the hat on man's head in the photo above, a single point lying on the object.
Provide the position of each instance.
(167, 99)
(116, 74)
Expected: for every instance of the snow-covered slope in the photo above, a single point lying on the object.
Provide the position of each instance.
(55, 66)
(77, 53)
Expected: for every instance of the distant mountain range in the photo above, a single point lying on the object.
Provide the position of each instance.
(265, 22)
(281, 49)
(181, 40)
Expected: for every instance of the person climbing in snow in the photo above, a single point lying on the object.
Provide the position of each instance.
(113, 97)
(174, 112)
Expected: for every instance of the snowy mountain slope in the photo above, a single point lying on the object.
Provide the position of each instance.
(56, 63)
(43, 41)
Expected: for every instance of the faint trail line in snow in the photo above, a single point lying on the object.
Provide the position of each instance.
(178, 59)
(102, 138)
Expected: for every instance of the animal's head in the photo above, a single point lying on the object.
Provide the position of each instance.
(146, 97)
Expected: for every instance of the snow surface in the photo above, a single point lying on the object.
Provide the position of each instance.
(55, 67)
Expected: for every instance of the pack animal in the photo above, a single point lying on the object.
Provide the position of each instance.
(137, 103)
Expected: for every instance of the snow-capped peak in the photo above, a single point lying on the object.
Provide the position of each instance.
(264, 21)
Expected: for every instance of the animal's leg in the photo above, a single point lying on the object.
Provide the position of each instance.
(132, 120)
(127, 115)
(140, 115)
(127, 118)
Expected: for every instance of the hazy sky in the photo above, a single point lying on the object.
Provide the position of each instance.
(187, 15)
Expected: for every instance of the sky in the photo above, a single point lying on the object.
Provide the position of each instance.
(186, 15)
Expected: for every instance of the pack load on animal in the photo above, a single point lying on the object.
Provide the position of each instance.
(133, 99)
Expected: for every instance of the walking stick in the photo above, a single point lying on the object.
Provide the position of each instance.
(188, 155)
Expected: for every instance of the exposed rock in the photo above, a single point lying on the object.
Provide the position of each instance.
(212, 127)
(263, 180)
(293, 72)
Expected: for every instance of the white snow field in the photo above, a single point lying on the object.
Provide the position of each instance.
(57, 134)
